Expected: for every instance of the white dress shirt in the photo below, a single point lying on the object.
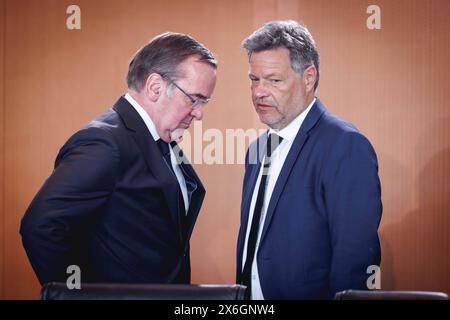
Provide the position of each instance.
(151, 127)
(288, 134)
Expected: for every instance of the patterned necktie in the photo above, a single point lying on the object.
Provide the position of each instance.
(273, 142)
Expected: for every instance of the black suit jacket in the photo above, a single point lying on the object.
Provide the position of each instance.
(111, 206)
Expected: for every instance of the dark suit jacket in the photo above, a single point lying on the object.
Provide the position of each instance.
(111, 207)
(320, 231)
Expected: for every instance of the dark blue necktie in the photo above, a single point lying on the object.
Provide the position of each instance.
(165, 150)
(273, 142)
(191, 184)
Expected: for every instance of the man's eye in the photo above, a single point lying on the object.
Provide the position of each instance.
(275, 81)
(254, 80)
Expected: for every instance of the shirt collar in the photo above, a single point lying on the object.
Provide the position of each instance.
(144, 115)
(290, 131)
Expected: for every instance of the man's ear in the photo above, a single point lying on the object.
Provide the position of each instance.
(153, 86)
(310, 78)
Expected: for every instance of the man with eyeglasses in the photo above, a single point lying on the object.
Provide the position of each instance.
(122, 201)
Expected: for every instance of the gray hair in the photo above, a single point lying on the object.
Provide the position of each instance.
(162, 55)
(290, 35)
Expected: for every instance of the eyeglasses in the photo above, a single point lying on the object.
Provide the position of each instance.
(195, 102)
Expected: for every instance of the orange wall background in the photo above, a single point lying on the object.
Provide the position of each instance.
(393, 84)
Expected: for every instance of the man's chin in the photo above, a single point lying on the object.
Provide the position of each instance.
(177, 134)
(270, 121)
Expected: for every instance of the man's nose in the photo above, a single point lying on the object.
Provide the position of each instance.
(259, 90)
(197, 112)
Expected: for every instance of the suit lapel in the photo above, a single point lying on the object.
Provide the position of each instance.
(301, 138)
(196, 197)
(152, 156)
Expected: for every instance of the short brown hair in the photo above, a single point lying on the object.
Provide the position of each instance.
(162, 55)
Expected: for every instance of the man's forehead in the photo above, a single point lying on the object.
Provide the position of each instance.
(197, 77)
(195, 61)
(279, 53)
(192, 66)
(270, 62)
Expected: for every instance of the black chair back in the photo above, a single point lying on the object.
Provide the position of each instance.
(97, 291)
(390, 295)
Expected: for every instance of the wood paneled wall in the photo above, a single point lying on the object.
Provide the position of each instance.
(393, 84)
(2, 145)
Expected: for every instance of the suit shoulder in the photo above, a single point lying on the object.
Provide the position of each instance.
(109, 121)
(106, 126)
(338, 136)
(334, 124)
(100, 133)
(336, 128)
